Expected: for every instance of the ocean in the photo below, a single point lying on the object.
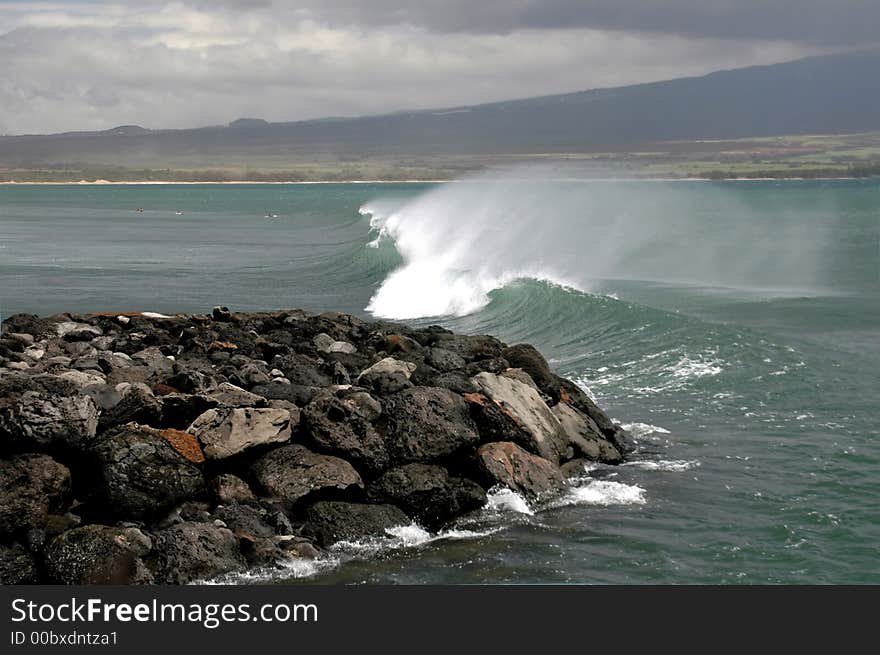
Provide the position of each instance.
(733, 327)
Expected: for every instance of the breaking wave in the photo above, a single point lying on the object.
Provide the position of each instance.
(461, 241)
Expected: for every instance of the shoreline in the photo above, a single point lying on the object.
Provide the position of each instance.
(430, 181)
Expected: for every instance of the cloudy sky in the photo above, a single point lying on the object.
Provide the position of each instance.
(85, 64)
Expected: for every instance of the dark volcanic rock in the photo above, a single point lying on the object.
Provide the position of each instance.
(31, 488)
(294, 473)
(142, 474)
(195, 551)
(329, 522)
(341, 426)
(507, 464)
(138, 405)
(427, 423)
(246, 520)
(427, 493)
(99, 554)
(527, 358)
(444, 360)
(470, 348)
(228, 488)
(17, 566)
(309, 427)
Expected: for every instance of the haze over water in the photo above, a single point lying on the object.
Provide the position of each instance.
(735, 327)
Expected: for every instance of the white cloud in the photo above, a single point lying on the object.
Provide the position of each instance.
(94, 65)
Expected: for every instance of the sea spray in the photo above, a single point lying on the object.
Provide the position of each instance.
(461, 241)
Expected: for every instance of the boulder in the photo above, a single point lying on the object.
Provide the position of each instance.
(341, 426)
(469, 347)
(294, 474)
(245, 520)
(387, 366)
(326, 344)
(524, 404)
(423, 424)
(444, 360)
(142, 474)
(228, 488)
(229, 395)
(190, 551)
(329, 522)
(99, 554)
(427, 493)
(45, 413)
(224, 432)
(584, 436)
(156, 362)
(31, 488)
(180, 410)
(504, 463)
(301, 370)
(572, 394)
(17, 565)
(137, 405)
(527, 358)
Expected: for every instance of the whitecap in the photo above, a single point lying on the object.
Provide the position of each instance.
(639, 430)
(604, 493)
(671, 465)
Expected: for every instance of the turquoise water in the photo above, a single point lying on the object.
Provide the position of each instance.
(734, 326)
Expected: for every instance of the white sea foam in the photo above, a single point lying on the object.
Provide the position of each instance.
(286, 569)
(502, 499)
(640, 430)
(663, 464)
(406, 536)
(602, 492)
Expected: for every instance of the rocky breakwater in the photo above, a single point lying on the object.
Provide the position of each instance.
(142, 448)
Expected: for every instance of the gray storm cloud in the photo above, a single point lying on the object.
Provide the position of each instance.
(91, 65)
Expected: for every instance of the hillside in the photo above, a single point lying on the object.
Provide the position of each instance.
(836, 94)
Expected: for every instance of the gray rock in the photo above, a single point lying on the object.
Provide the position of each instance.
(525, 405)
(576, 397)
(329, 522)
(326, 344)
(153, 358)
(224, 432)
(99, 554)
(232, 396)
(584, 436)
(387, 366)
(296, 474)
(45, 412)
